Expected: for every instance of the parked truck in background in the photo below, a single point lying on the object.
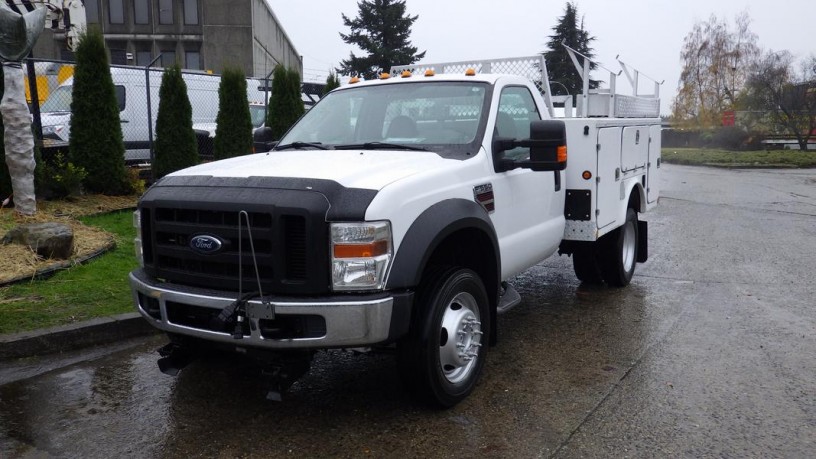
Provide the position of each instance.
(136, 111)
(397, 212)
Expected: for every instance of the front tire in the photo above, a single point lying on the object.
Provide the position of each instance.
(620, 252)
(443, 356)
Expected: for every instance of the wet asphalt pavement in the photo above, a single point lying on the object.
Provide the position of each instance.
(710, 352)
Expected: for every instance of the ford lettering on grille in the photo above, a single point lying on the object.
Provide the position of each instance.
(205, 244)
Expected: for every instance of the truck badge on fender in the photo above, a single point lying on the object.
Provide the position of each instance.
(205, 244)
(483, 194)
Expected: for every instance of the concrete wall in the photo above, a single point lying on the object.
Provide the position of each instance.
(243, 33)
(271, 45)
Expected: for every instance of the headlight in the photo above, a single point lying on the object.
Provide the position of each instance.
(361, 253)
(137, 243)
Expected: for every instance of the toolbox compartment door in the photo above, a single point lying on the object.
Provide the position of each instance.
(653, 169)
(635, 150)
(608, 176)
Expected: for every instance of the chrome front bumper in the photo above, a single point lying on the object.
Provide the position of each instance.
(353, 322)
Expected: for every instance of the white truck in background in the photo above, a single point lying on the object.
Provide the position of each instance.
(130, 84)
(397, 212)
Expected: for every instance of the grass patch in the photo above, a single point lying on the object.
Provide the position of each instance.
(96, 289)
(723, 158)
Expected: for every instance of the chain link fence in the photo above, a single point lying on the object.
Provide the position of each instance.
(137, 94)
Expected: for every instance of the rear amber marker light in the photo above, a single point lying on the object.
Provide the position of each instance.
(587, 175)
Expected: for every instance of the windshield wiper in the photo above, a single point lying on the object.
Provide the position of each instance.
(299, 145)
(379, 146)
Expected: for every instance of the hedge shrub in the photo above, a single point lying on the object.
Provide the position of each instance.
(176, 146)
(96, 136)
(233, 134)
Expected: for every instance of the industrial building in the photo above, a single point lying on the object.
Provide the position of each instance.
(199, 34)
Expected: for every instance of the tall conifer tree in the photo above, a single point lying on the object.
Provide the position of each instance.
(382, 30)
(559, 65)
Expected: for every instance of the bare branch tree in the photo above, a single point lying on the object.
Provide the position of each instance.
(716, 61)
(784, 96)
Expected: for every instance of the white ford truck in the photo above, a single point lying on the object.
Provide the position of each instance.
(395, 212)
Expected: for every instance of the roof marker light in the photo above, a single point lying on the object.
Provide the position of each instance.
(384, 76)
(429, 73)
(470, 72)
(406, 74)
(354, 80)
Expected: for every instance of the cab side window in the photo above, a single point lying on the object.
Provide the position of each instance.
(516, 109)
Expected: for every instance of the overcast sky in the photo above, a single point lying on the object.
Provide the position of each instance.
(647, 34)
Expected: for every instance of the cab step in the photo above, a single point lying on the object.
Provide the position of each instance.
(509, 298)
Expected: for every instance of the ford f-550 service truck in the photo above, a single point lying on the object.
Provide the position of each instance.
(395, 212)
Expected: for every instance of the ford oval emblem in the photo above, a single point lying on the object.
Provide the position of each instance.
(205, 244)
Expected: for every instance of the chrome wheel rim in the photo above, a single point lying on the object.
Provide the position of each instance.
(460, 338)
(629, 245)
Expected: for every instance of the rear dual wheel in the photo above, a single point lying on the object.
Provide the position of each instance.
(619, 252)
(612, 258)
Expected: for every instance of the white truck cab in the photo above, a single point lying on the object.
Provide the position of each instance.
(396, 211)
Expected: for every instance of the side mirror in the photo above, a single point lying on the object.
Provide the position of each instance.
(263, 140)
(547, 144)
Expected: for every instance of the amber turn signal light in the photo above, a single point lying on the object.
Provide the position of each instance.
(372, 249)
(562, 153)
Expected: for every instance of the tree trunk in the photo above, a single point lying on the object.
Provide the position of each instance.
(19, 140)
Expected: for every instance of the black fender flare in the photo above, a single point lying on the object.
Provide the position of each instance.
(429, 229)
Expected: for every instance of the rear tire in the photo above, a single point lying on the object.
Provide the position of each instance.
(444, 354)
(619, 252)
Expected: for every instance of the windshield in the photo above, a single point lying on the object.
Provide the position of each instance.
(257, 113)
(444, 117)
(58, 101)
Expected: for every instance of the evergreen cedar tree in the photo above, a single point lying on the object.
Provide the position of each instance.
(559, 65)
(233, 135)
(176, 146)
(332, 82)
(381, 30)
(285, 102)
(276, 107)
(294, 97)
(96, 136)
(5, 178)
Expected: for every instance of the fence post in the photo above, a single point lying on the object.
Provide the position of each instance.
(35, 100)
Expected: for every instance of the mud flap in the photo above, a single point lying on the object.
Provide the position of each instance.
(174, 357)
(643, 242)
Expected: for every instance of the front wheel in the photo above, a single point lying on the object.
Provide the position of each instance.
(620, 252)
(443, 356)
